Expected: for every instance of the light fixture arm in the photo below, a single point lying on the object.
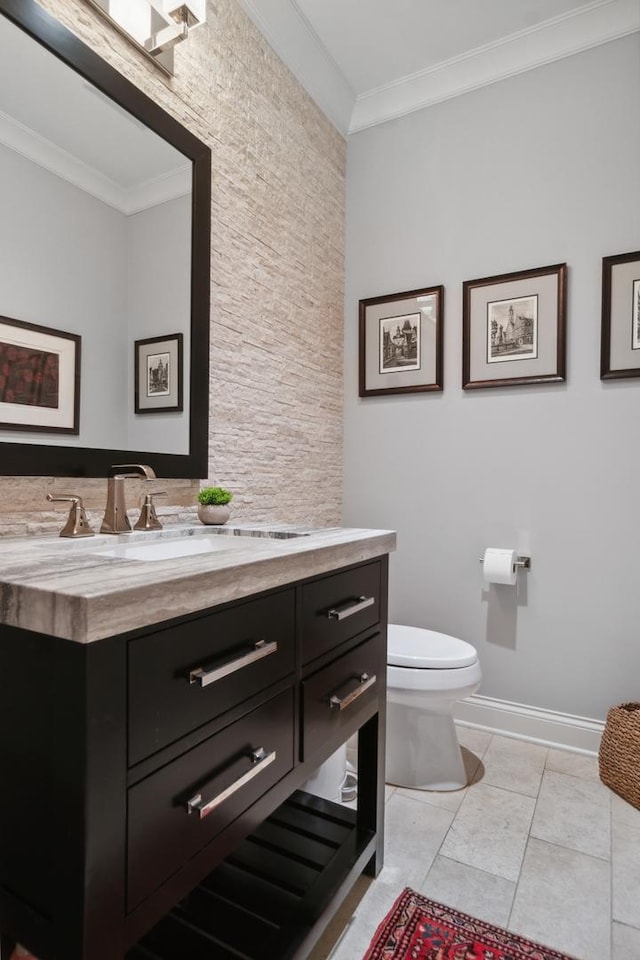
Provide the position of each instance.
(154, 26)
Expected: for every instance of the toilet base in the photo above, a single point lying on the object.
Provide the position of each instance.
(423, 750)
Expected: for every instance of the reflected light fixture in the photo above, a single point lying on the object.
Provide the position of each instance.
(154, 26)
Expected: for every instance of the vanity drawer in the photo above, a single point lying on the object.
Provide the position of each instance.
(183, 806)
(181, 677)
(335, 699)
(338, 607)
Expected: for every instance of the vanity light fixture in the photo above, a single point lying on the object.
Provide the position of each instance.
(154, 26)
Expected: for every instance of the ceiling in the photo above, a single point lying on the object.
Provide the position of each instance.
(367, 61)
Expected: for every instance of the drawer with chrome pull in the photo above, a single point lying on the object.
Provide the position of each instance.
(183, 806)
(184, 676)
(338, 607)
(336, 698)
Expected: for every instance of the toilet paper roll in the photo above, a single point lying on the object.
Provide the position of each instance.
(498, 566)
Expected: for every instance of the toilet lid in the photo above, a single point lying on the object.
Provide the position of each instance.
(427, 650)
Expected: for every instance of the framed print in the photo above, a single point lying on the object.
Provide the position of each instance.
(39, 378)
(620, 338)
(513, 328)
(401, 342)
(158, 374)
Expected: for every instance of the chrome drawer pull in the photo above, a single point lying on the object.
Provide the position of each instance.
(205, 677)
(348, 609)
(364, 682)
(259, 758)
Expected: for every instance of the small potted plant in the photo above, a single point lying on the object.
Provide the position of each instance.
(213, 505)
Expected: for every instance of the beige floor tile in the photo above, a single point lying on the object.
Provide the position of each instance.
(625, 942)
(574, 813)
(574, 764)
(474, 740)
(490, 830)
(472, 891)
(623, 812)
(562, 900)
(447, 799)
(369, 913)
(414, 832)
(625, 874)
(341, 921)
(514, 765)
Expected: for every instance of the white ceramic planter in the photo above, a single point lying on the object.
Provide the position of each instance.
(213, 513)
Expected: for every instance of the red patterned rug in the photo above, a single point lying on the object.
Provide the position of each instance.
(420, 929)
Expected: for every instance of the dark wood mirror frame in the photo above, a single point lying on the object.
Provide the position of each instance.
(26, 459)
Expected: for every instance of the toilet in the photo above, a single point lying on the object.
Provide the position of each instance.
(427, 672)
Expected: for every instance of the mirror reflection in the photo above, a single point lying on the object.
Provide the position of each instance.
(95, 244)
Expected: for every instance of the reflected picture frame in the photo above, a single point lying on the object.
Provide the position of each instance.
(158, 374)
(514, 328)
(39, 378)
(401, 342)
(620, 327)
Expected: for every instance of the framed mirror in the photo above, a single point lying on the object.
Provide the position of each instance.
(104, 246)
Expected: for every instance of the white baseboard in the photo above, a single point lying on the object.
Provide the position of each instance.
(561, 730)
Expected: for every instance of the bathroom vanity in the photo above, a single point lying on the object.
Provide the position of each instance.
(161, 711)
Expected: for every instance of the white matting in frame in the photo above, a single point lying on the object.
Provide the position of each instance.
(513, 328)
(158, 374)
(401, 342)
(39, 378)
(620, 334)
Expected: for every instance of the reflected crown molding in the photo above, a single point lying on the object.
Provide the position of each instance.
(128, 200)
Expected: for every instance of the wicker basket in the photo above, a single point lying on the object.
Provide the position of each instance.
(619, 756)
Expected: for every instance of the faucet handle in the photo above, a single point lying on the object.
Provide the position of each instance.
(77, 524)
(133, 470)
(148, 519)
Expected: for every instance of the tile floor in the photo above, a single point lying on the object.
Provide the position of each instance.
(536, 844)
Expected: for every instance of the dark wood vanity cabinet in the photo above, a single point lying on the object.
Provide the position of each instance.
(151, 797)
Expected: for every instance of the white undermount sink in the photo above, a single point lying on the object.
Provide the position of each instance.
(167, 549)
(183, 542)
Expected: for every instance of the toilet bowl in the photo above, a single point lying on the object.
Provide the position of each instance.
(427, 672)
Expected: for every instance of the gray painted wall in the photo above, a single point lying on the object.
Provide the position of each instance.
(73, 263)
(535, 170)
(62, 265)
(158, 304)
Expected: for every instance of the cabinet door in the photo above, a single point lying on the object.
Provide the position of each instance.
(183, 806)
(337, 699)
(338, 607)
(181, 677)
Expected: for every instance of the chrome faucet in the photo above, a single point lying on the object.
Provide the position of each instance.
(115, 516)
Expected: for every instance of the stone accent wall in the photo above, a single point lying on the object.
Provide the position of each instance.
(277, 270)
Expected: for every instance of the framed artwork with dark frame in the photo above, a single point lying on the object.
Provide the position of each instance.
(620, 337)
(514, 328)
(158, 374)
(401, 342)
(39, 378)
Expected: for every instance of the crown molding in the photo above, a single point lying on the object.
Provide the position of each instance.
(289, 33)
(579, 30)
(29, 144)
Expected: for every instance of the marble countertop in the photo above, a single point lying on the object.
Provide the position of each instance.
(90, 588)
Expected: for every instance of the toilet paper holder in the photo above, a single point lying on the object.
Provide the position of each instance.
(524, 563)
